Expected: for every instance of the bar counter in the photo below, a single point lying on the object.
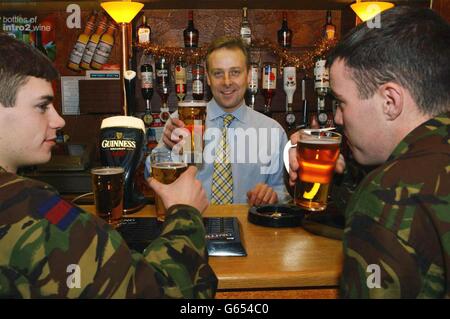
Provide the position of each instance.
(280, 262)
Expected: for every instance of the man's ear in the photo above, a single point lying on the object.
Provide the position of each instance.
(392, 95)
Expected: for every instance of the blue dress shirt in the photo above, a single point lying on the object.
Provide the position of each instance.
(256, 142)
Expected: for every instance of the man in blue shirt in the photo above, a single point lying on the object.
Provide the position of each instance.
(256, 141)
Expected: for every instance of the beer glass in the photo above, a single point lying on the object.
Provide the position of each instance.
(166, 167)
(193, 115)
(107, 185)
(317, 153)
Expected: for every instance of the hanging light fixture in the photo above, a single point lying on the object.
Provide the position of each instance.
(123, 12)
(368, 9)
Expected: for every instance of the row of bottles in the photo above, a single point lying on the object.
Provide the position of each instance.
(94, 45)
(191, 34)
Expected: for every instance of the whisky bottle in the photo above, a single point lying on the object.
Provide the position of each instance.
(269, 85)
(180, 79)
(144, 32)
(285, 34)
(190, 34)
(329, 29)
(198, 81)
(321, 77)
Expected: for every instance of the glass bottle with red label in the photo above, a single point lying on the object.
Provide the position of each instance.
(269, 85)
(252, 89)
(198, 81)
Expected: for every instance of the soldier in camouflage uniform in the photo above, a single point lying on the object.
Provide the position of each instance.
(52, 249)
(393, 85)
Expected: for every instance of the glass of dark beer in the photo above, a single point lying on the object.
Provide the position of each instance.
(193, 115)
(317, 154)
(166, 167)
(107, 185)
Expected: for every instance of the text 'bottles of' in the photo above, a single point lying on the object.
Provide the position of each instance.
(246, 31)
(285, 34)
(190, 34)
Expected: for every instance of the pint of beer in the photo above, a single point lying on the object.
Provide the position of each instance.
(165, 168)
(317, 153)
(107, 185)
(193, 114)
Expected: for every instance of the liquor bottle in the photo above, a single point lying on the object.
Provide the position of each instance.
(252, 89)
(80, 45)
(198, 81)
(180, 79)
(162, 68)
(246, 31)
(269, 85)
(329, 28)
(321, 77)
(190, 34)
(289, 85)
(322, 116)
(304, 120)
(285, 34)
(104, 47)
(147, 91)
(143, 32)
(92, 43)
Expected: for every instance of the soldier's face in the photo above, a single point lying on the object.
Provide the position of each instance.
(228, 77)
(364, 122)
(28, 129)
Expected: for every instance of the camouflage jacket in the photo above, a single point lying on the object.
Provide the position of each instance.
(397, 233)
(51, 249)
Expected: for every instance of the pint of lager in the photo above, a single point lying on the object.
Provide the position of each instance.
(317, 153)
(121, 142)
(165, 168)
(193, 114)
(107, 185)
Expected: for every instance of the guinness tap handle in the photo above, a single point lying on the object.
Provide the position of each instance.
(129, 79)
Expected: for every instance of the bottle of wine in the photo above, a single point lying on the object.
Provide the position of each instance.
(104, 47)
(92, 43)
(190, 34)
(285, 34)
(78, 49)
(246, 31)
(329, 28)
(269, 85)
(143, 32)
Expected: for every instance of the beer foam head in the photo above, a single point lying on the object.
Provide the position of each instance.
(107, 170)
(123, 121)
(192, 104)
(317, 137)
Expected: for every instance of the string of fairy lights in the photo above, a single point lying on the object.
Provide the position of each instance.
(286, 57)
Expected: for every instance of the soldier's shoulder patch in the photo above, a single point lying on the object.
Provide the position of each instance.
(58, 212)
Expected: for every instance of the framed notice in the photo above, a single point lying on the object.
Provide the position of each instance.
(70, 95)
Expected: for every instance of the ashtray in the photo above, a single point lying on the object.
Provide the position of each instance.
(276, 215)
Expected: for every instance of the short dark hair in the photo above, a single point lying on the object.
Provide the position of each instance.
(229, 43)
(411, 48)
(18, 61)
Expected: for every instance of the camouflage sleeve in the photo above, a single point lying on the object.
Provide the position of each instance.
(50, 248)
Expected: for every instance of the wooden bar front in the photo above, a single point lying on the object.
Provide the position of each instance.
(280, 262)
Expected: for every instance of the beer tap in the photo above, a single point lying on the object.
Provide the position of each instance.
(130, 78)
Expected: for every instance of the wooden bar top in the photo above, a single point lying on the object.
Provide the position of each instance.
(277, 258)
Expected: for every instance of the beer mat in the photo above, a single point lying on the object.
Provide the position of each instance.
(223, 237)
(329, 223)
(276, 215)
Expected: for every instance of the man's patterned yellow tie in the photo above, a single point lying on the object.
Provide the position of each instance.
(222, 180)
